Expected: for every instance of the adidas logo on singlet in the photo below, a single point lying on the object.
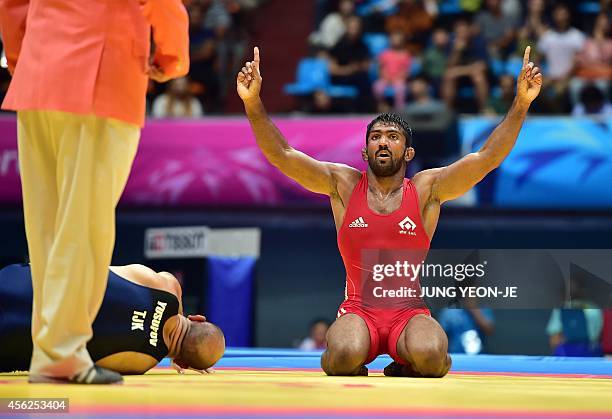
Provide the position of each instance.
(359, 222)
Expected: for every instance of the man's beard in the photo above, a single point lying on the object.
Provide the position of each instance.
(384, 170)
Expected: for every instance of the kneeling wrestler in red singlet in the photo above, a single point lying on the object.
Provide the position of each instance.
(379, 209)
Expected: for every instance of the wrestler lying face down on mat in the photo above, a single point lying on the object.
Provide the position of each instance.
(140, 322)
(381, 210)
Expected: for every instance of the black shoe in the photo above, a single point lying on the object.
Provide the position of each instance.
(97, 375)
(93, 375)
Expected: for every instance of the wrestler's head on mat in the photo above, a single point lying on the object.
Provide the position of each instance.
(388, 146)
(138, 304)
(203, 345)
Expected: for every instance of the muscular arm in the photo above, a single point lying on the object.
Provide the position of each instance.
(13, 14)
(456, 179)
(453, 181)
(314, 175)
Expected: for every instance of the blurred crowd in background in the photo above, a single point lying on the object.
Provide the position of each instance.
(219, 36)
(463, 55)
(407, 55)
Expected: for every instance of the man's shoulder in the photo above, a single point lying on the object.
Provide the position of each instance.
(345, 178)
(426, 178)
(147, 277)
(344, 172)
(425, 182)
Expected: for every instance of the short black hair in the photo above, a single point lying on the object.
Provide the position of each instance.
(388, 118)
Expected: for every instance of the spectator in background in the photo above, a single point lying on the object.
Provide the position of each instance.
(592, 102)
(467, 61)
(414, 19)
(375, 13)
(434, 58)
(203, 54)
(422, 100)
(594, 61)
(394, 65)
(513, 9)
(500, 104)
(435, 124)
(216, 16)
(322, 103)
(467, 329)
(575, 331)
(177, 102)
(317, 338)
(232, 45)
(218, 21)
(497, 29)
(560, 45)
(333, 26)
(532, 28)
(349, 63)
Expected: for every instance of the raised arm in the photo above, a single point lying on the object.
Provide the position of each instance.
(312, 174)
(456, 179)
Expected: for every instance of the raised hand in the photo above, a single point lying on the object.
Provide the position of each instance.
(529, 80)
(248, 82)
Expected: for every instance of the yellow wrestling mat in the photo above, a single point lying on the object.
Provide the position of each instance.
(237, 392)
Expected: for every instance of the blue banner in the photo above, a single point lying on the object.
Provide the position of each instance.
(557, 163)
(230, 297)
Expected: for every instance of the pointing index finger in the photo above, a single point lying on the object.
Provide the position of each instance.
(256, 55)
(526, 56)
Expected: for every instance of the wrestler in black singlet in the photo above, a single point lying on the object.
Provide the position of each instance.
(131, 318)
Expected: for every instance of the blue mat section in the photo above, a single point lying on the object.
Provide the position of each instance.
(291, 358)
